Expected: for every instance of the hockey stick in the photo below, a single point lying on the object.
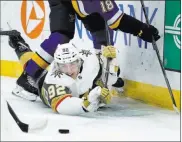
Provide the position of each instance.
(10, 33)
(160, 61)
(23, 126)
(108, 59)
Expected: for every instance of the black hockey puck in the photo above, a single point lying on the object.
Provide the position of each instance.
(64, 131)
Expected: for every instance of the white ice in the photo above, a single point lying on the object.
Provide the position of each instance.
(123, 120)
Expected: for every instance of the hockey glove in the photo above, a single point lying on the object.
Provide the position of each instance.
(109, 52)
(99, 82)
(91, 103)
(105, 96)
(17, 42)
(147, 32)
(133, 26)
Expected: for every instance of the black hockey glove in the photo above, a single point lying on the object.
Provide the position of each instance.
(18, 42)
(133, 26)
(147, 32)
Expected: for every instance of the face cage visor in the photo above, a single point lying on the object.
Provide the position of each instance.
(69, 68)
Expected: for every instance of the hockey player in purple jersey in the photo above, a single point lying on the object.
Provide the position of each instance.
(62, 26)
(116, 20)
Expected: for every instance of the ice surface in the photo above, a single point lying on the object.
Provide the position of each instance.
(123, 120)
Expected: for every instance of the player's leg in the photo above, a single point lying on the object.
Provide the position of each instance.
(96, 25)
(24, 53)
(62, 30)
(62, 26)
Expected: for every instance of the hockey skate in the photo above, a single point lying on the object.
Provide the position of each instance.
(26, 87)
(117, 88)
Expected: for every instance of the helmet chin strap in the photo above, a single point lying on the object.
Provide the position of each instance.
(81, 65)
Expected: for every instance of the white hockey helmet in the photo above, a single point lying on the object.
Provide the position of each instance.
(67, 59)
(66, 53)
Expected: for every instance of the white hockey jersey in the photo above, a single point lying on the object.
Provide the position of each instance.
(84, 80)
(58, 86)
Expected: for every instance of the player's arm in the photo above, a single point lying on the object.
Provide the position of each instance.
(129, 24)
(90, 70)
(126, 23)
(61, 101)
(116, 19)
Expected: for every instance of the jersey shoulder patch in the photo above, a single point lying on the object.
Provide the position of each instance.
(85, 52)
(56, 74)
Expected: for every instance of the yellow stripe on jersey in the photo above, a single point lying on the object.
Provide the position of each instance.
(25, 57)
(39, 61)
(76, 7)
(115, 24)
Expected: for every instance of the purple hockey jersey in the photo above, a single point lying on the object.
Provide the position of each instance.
(106, 8)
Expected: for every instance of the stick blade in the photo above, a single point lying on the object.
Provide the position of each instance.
(22, 126)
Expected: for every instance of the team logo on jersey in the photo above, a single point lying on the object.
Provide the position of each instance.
(57, 74)
(32, 17)
(86, 52)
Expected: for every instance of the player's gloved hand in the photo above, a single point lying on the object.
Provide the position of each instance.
(109, 51)
(100, 83)
(17, 42)
(85, 95)
(91, 103)
(105, 96)
(147, 32)
(133, 26)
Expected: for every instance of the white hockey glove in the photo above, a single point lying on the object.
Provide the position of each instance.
(91, 103)
(96, 97)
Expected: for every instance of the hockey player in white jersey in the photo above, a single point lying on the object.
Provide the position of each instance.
(71, 75)
(72, 84)
(74, 81)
